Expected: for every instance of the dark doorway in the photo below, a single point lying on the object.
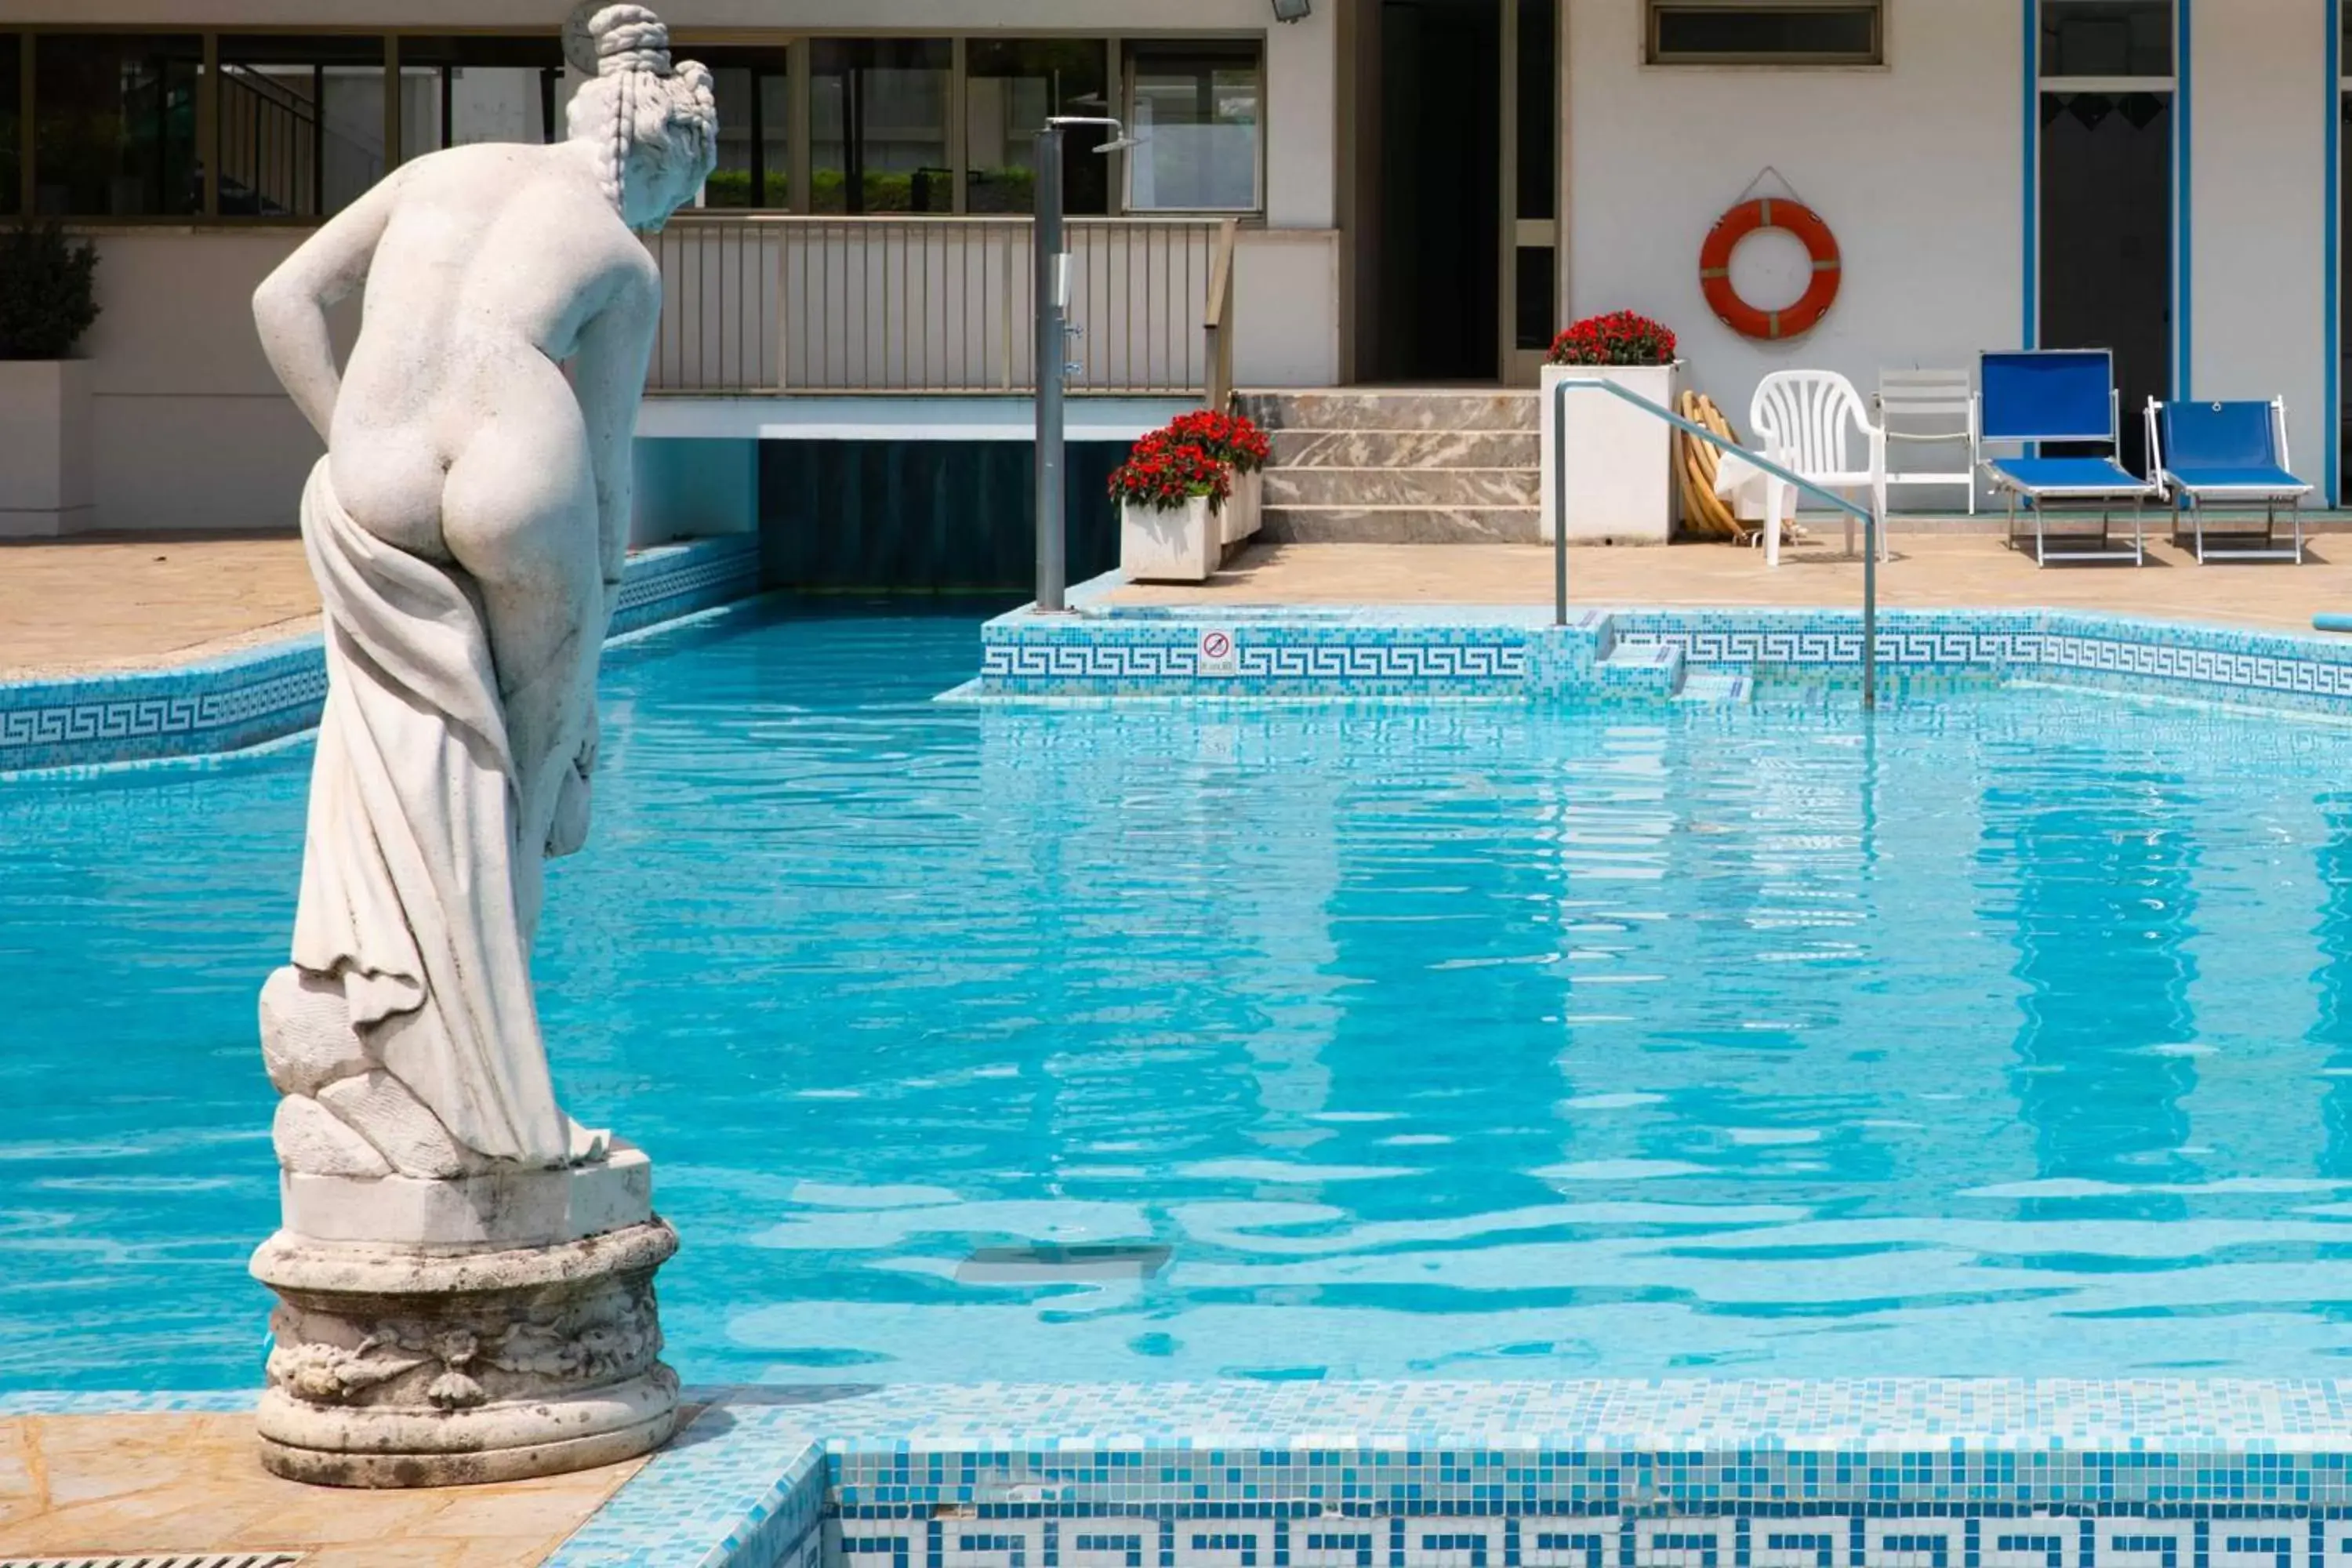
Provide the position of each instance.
(2106, 245)
(1440, 152)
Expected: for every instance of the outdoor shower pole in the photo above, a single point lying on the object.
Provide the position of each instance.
(1053, 302)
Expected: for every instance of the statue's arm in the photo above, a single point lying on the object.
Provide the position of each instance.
(609, 376)
(290, 307)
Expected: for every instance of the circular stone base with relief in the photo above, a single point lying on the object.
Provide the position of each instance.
(519, 1338)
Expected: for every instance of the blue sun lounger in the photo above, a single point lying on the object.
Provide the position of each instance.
(2060, 395)
(2227, 454)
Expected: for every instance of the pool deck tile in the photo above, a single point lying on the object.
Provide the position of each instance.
(80, 606)
(1929, 571)
(83, 1485)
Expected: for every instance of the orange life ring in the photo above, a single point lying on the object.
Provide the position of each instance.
(1714, 268)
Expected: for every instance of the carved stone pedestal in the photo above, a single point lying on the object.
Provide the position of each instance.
(519, 1338)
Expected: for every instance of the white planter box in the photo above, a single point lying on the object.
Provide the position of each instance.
(45, 474)
(1621, 458)
(1180, 545)
(1242, 508)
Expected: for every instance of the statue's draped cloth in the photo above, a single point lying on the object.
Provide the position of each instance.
(408, 864)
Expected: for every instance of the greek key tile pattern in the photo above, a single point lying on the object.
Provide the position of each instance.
(229, 704)
(1473, 651)
(1897, 1473)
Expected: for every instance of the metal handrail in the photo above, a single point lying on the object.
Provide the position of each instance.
(1869, 520)
(1216, 325)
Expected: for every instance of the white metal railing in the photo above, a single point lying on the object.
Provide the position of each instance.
(785, 303)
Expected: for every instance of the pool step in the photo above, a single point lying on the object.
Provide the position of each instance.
(1638, 669)
(1732, 687)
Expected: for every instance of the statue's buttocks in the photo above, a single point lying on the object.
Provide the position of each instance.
(470, 312)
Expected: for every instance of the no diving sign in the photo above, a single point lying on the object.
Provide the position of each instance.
(1217, 655)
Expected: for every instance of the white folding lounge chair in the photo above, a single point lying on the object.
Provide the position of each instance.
(2061, 396)
(2227, 454)
(1802, 419)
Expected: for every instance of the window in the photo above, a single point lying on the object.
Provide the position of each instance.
(114, 125)
(1011, 86)
(12, 125)
(1713, 32)
(1195, 108)
(457, 90)
(754, 88)
(301, 123)
(878, 125)
(2107, 38)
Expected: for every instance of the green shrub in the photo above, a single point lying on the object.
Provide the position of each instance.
(46, 292)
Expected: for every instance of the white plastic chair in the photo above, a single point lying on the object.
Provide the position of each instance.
(1803, 419)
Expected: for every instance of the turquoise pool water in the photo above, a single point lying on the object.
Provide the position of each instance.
(2008, 1033)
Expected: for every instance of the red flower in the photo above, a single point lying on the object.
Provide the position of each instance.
(1163, 474)
(1623, 338)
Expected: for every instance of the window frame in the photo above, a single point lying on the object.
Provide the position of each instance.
(1118, 44)
(1145, 44)
(28, 114)
(1656, 56)
(791, 52)
(214, 129)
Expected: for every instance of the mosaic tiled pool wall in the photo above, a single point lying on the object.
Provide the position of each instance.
(1898, 1473)
(1476, 652)
(247, 698)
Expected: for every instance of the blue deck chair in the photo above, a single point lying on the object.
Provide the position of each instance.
(2225, 454)
(2059, 394)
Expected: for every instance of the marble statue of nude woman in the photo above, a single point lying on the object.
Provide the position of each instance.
(466, 528)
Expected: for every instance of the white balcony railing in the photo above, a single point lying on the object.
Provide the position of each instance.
(778, 303)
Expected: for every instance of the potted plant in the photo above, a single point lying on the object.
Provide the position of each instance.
(1234, 440)
(1620, 474)
(1170, 493)
(46, 305)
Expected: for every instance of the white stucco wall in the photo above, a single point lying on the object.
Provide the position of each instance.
(2258, 129)
(1914, 165)
(189, 429)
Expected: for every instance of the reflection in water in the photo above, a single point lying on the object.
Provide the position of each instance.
(2333, 1030)
(2102, 861)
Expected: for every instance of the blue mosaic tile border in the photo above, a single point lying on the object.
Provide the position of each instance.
(1910, 1473)
(242, 700)
(117, 1402)
(743, 1484)
(1466, 651)
(1882, 1473)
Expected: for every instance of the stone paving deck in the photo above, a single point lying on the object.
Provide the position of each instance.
(1965, 572)
(81, 607)
(76, 606)
(81, 1486)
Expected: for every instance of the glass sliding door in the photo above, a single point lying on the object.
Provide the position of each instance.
(2106, 205)
(754, 89)
(1011, 86)
(878, 125)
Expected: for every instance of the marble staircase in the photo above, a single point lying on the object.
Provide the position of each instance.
(1376, 465)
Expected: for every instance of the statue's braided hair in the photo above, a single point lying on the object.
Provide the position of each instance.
(638, 97)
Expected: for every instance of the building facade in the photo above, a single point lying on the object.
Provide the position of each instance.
(1386, 191)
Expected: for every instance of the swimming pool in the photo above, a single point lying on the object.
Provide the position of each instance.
(2008, 1033)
